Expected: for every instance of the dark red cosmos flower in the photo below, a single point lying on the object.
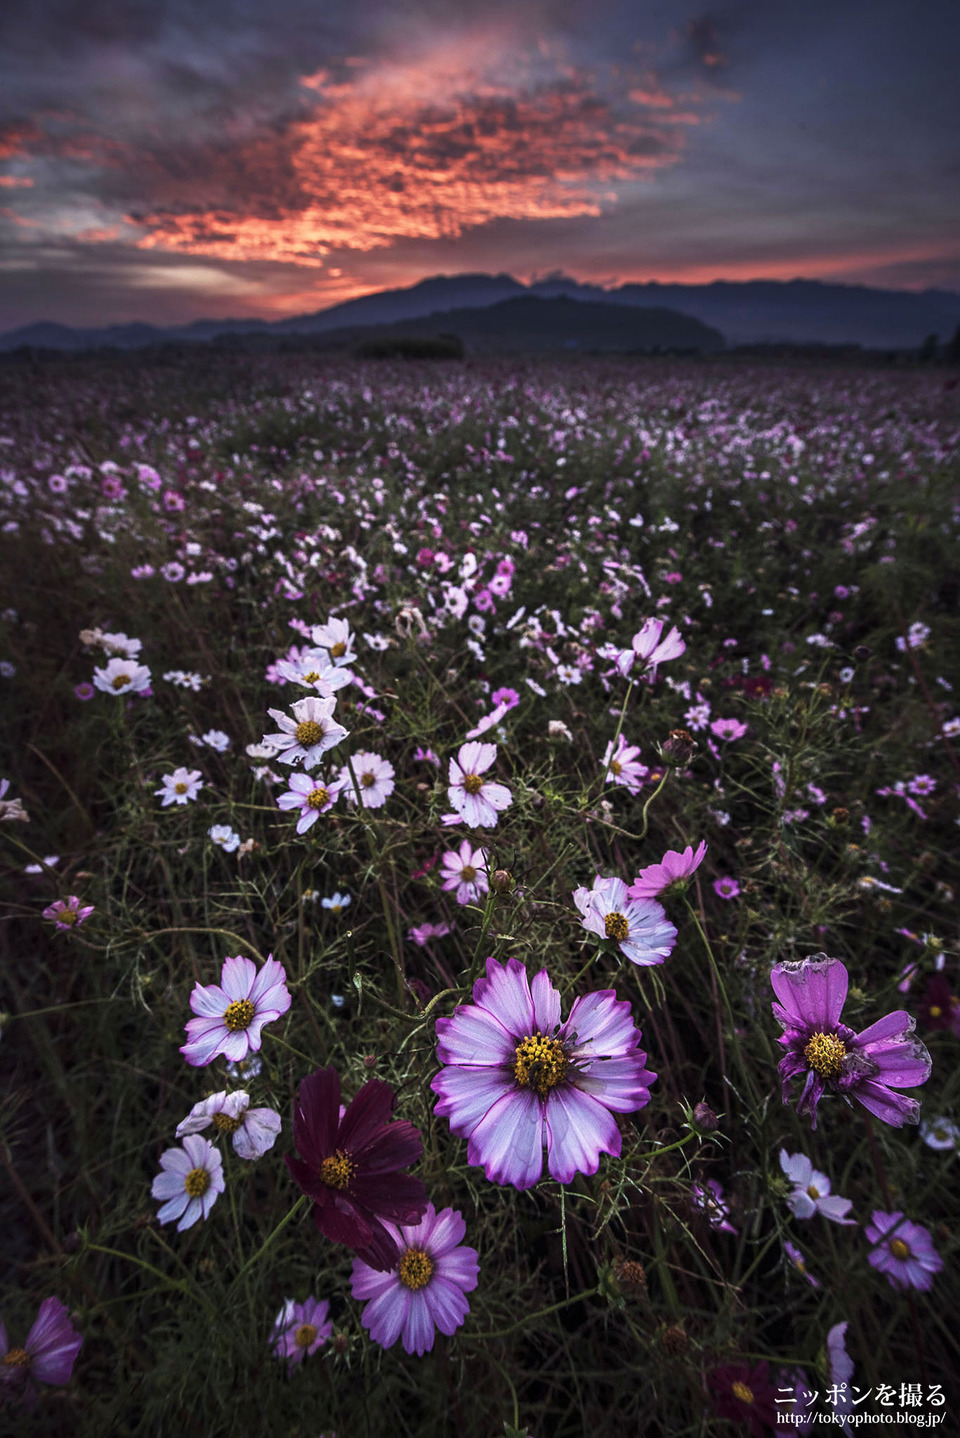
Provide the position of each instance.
(349, 1166)
(745, 1395)
(939, 1009)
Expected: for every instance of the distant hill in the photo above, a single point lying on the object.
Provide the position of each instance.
(752, 312)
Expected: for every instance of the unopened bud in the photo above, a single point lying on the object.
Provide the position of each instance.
(369, 1061)
(678, 747)
(705, 1118)
(341, 1344)
(501, 881)
(862, 651)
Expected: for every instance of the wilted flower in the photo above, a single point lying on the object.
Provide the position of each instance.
(710, 1200)
(427, 1286)
(253, 1130)
(231, 1014)
(867, 1066)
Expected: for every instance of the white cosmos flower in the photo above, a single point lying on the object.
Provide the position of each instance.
(308, 735)
(811, 1191)
(122, 676)
(253, 1130)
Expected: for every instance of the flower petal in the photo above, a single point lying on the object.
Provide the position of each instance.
(508, 1140)
(578, 1130)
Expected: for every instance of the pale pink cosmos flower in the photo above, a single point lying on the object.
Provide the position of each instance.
(231, 1014)
(811, 1191)
(422, 934)
(335, 637)
(673, 869)
(476, 800)
(728, 728)
(488, 721)
(312, 795)
(375, 776)
(314, 671)
(179, 787)
(122, 676)
(300, 1329)
(465, 870)
(639, 926)
(308, 735)
(69, 914)
(253, 1130)
(622, 767)
(191, 1180)
(650, 649)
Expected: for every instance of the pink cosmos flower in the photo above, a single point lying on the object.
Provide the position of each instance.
(314, 671)
(423, 933)
(728, 728)
(726, 888)
(902, 1250)
(68, 915)
(488, 721)
(47, 1356)
(191, 1180)
(253, 1130)
(313, 796)
(867, 1066)
(426, 1288)
(673, 869)
(515, 1079)
(300, 1329)
(84, 692)
(308, 735)
(465, 870)
(650, 649)
(510, 697)
(621, 765)
(231, 1014)
(639, 926)
(375, 775)
(709, 1199)
(476, 800)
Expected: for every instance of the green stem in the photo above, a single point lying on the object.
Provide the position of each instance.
(531, 1318)
(643, 831)
(272, 1237)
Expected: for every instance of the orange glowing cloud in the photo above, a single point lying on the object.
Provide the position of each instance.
(421, 150)
(15, 182)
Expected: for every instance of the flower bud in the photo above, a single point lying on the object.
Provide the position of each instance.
(862, 651)
(678, 747)
(705, 1118)
(501, 881)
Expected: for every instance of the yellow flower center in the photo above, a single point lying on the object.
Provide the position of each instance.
(468, 873)
(368, 780)
(69, 916)
(616, 767)
(180, 788)
(119, 680)
(305, 1335)
(338, 650)
(616, 927)
(309, 733)
(225, 1124)
(318, 799)
(825, 1053)
(813, 1192)
(197, 1182)
(540, 1063)
(899, 1249)
(741, 1391)
(415, 1268)
(935, 1011)
(311, 678)
(16, 1358)
(472, 783)
(335, 1171)
(239, 1015)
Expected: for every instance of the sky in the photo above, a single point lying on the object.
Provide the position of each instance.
(166, 160)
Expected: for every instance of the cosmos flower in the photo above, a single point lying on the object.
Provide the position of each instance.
(799, 1262)
(811, 1191)
(867, 1066)
(515, 1079)
(425, 1289)
(335, 639)
(902, 1250)
(216, 739)
(336, 903)
(224, 837)
(940, 1133)
(745, 1395)
(308, 735)
(231, 1014)
(726, 888)
(649, 648)
(939, 1008)
(191, 1180)
(47, 1356)
(621, 766)
(180, 787)
(465, 871)
(253, 1130)
(349, 1165)
(122, 676)
(728, 728)
(374, 776)
(710, 1200)
(476, 800)
(313, 796)
(421, 934)
(673, 869)
(300, 1329)
(69, 914)
(640, 926)
(314, 671)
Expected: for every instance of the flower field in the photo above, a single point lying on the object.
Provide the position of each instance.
(478, 872)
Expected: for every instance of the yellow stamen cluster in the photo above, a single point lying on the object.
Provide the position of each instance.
(899, 1249)
(239, 1015)
(336, 1170)
(472, 783)
(69, 916)
(309, 733)
(311, 678)
(468, 873)
(616, 927)
(540, 1063)
(305, 1335)
(741, 1391)
(180, 788)
(16, 1358)
(197, 1182)
(338, 650)
(825, 1054)
(368, 780)
(616, 767)
(415, 1269)
(318, 798)
(225, 1124)
(935, 1011)
(119, 681)
(813, 1192)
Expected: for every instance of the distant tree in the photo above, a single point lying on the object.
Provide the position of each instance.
(927, 352)
(953, 348)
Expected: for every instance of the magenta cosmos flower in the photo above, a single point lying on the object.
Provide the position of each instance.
(426, 1288)
(640, 926)
(622, 766)
(673, 869)
(231, 1014)
(69, 914)
(475, 799)
(867, 1066)
(350, 1165)
(745, 1395)
(902, 1250)
(516, 1080)
(47, 1356)
(300, 1329)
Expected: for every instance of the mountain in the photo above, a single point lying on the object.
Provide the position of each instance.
(751, 312)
